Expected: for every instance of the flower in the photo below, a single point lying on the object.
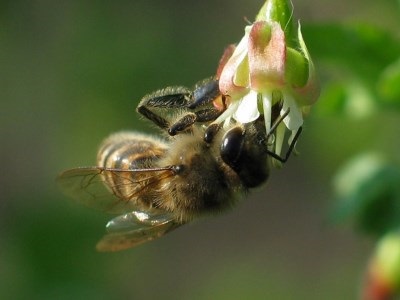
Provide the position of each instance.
(383, 274)
(269, 66)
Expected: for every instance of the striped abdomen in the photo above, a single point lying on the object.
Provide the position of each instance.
(130, 151)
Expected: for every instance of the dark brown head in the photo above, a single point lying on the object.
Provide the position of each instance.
(244, 150)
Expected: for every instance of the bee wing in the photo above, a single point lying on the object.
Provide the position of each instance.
(134, 228)
(90, 187)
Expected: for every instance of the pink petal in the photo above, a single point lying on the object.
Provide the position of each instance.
(267, 56)
(228, 74)
(224, 59)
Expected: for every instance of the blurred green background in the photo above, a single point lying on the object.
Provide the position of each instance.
(73, 72)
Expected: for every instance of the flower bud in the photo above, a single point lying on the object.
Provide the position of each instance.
(269, 59)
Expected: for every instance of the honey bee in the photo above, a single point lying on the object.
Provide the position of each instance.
(157, 184)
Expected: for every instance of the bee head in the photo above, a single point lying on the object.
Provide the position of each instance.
(244, 152)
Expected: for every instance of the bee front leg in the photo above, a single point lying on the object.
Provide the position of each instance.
(211, 131)
(289, 150)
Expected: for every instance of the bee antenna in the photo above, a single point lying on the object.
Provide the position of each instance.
(277, 122)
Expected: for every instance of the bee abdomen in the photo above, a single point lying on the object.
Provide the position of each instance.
(129, 150)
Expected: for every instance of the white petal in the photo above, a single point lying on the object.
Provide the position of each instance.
(267, 105)
(280, 136)
(228, 112)
(290, 140)
(227, 122)
(295, 118)
(247, 110)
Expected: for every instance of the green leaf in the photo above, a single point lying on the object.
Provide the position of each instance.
(359, 48)
(369, 194)
(359, 57)
(389, 84)
(332, 99)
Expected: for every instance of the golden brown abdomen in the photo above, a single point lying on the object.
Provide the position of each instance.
(129, 151)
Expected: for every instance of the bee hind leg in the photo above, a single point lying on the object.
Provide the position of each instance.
(183, 123)
(164, 100)
(160, 105)
(156, 119)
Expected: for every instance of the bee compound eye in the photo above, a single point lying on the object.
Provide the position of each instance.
(231, 147)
